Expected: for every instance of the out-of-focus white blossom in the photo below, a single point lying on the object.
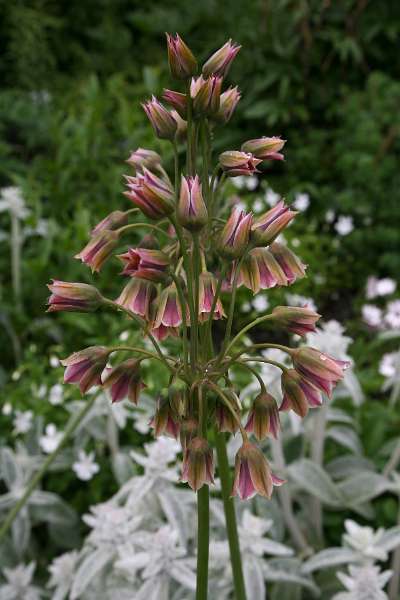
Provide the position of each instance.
(301, 202)
(372, 315)
(6, 409)
(56, 394)
(271, 197)
(50, 440)
(297, 300)
(330, 216)
(18, 584)
(62, 572)
(363, 583)
(387, 365)
(392, 315)
(22, 421)
(85, 467)
(364, 540)
(260, 303)
(344, 225)
(380, 287)
(11, 200)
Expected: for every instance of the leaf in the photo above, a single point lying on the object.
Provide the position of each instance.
(10, 469)
(21, 532)
(89, 569)
(329, 558)
(345, 437)
(363, 487)
(122, 467)
(175, 513)
(314, 480)
(288, 571)
(50, 508)
(390, 539)
(253, 578)
(348, 465)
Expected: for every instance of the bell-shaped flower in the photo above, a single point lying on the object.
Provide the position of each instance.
(220, 62)
(182, 62)
(168, 316)
(177, 100)
(144, 158)
(191, 211)
(296, 319)
(228, 421)
(198, 464)
(145, 263)
(252, 473)
(261, 271)
(318, 368)
(298, 394)
(188, 430)
(265, 148)
(125, 381)
(234, 237)
(153, 195)
(290, 264)
(235, 163)
(137, 297)
(74, 297)
(228, 102)
(207, 289)
(206, 95)
(162, 121)
(114, 220)
(267, 227)
(263, 419)
(98, 249)
(86, 366)
(165, 420)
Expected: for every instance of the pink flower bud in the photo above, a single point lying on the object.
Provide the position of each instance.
(300, 320)
(162, 121)
(165, 420)
(124, 381)
(181, 132)
(236, 163)
(191, 210)
(265, 148)
(137, 297)
(290, 264)
(220, 62)
(263, 419)
(260, 271)
(114, 220)
(98, 249)
(144, 158)
(74, 297)
(298, 394)
(206, 94)
(153, 195)
(267, 227)
(182, 63)
(177, 100)
(320, 369)
(228, 102)
(234, 237)
(207, 289)
(198, 464)
(85, 367)
(145, 263)
(168, 313)
(188, 430)
(252, 473)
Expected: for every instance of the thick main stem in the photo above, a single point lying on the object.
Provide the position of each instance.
(230, 517)
(203, 516)
(72, 425)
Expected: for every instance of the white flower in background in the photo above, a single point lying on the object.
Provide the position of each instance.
(6, 409)
(344, 225)
(16, 375)
(245, 183)
(240, 204)
(41, 228)
(260, 303)
(19, 585)
(246, 306)
(364, 540)
(295, 242)
(159, 455)
(112, 526)
(387, 365)
(54, 361)
(11, 200)
(239, 182)
(124, 336)
(380, 287)
(363, 583)
(143, 413)
(330, 338)
(85, 467)
(252, 532)
(258, 205)
(62, 571)
(372, 315)
(22, 421)
(330, 216)
(56, 394)
(41, 391)
(251, 182)
(51, 439)
(297, 300)
(301, 202)
(271, 197)
(392, 315)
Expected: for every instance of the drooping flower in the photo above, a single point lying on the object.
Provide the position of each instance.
(137, 296)
(198, 464)
(206, 94)
(235, 163)
(226, 419)
(191, 210)
(188, 430)
(228, 102)
(298, 394)
(153, 195)
(85, 367)
(125, 381)
(75, 297)
(177, 100)
(296, 319)
(85, 467)
(98, 249)
(181, 131)
(51, 438)
(234, 237)
(290, 264)
(252, 473)
(168, 315)
(265, 148)
(114, 220)
(162, 121)
(182, 62)
(165, 420)
(260, 270)
(263, 419)
(144, 158)
(145, 263)
(207, 289)
(267, 227)
(320, 369)
(220, 62)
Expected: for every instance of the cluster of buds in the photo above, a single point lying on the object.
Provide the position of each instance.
(182, 279)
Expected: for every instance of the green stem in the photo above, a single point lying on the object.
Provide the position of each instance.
(189, 120)
(256, 375)
(231, 310)
(131, 226)
(196, 272)
(146, 353)
(250, 326)
(225, 400)
(69, 430)
(230, 517)
(176, 171)
(214, 304)
(203, 516)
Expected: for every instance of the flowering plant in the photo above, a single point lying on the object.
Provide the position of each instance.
(178, 279)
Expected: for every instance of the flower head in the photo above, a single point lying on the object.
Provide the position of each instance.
(144, 158)
(298, 394)
(76, 297)
(268, 226)
(145, 263)
(85, 467)
(236, 163)
(290, 264)
(168, 313)
(265, 148)
(234, 237)
(182, 62)
(198, 464)
(114, 220)
(263, 418)
(207, 289)
(125, 381)
(260, 270)
(188, 430)
(191, 211)
(85, 367)
(252, 473)
(296, 319)
(165, 420)
(177, 100)
(153, 195)
(320, 369)
(228, 420)
(137, 296)
(228, 102)
(162, 121)
(206, 94)
(220, 62)
(98, 249)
